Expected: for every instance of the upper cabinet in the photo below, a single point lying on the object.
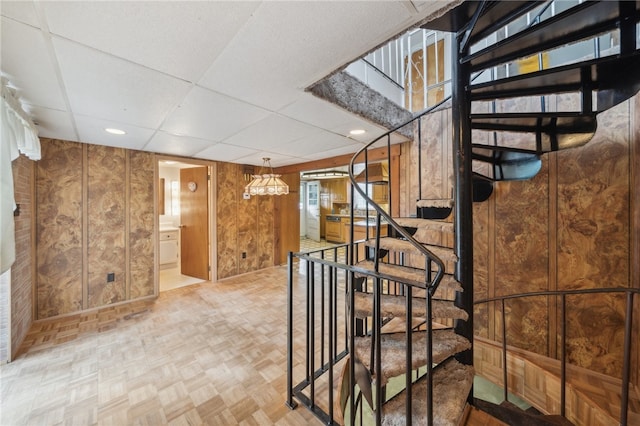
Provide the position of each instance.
(339, 190)
(380, 193)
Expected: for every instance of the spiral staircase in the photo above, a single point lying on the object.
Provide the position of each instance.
(408, 348)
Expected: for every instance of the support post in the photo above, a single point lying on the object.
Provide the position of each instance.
(463, 194)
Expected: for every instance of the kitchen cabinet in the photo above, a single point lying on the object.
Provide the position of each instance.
(380, 193)
(333, 230)
(339, 191)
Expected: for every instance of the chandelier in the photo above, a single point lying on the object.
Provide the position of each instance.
(266, 182)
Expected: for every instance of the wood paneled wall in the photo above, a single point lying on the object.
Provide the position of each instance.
(22, 271)
(95, 214)
(249, 236)
(574, 225)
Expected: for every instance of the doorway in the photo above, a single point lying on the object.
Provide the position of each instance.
(312, 210)
(184, 218)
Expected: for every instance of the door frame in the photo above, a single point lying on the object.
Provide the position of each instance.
(303, 210)
(213, 244)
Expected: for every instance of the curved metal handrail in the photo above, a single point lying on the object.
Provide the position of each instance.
(380, 211)
(628, 324)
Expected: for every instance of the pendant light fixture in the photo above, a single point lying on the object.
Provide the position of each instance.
(266, 182)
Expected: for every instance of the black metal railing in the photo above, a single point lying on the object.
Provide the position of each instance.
(324, 295)
(562, 294)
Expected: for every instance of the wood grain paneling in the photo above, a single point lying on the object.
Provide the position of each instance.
(141, 224)
(593, 240)
(521, 255)
(481, 267)
(265, 240)
(59, 228)
(227, 228)
(574, 225)
(21, 293)
(95, 209)
(106, 225)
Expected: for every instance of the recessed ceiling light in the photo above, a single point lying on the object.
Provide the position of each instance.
(357, 132)
(115, 131)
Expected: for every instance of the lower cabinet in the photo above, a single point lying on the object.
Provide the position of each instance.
(333, 231)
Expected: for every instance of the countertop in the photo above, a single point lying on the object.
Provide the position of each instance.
(369, 223)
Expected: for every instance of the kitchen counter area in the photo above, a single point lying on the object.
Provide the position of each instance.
(337, 226)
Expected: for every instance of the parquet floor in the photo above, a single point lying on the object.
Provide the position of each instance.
(210, 353)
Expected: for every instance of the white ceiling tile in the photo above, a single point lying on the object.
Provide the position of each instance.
(319, 113)
(136, 62)
(288, 46)
(176, 37)
(276, 160)
(103, 86)
(273, 131)
(52, 123)
(332, 153)
(208, 115)
(224, 152)
(23, 11)
(92, 131)
(167, 143)
(27, 65)
(318, 141)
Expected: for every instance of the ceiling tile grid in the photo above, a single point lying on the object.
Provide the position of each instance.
(218, 80)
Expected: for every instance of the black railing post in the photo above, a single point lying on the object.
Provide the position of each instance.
(409, 352)
(311, 348)
(626, 365)
(290, 402)
(505, 376)
(429, 357)
(377, 335)
(322, 309)
(331, 341)
(563, 351)
(463, 193)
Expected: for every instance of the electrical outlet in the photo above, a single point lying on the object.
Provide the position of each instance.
(111, 277)
(244, 254)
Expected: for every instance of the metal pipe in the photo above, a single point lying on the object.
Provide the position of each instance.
(626, 365)
(563, 365)
(505, 376)
(409, 353)
(312, 334)
(331, 342)
(322, 309)
(377, 330)
(429, 359)
(290, 402)
(463, 193)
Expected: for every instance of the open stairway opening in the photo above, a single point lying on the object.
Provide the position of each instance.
(406, 299)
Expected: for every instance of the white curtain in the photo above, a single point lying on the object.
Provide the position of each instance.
(18, 135)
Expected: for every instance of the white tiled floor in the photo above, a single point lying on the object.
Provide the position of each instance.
(171, 278)
(307, 244)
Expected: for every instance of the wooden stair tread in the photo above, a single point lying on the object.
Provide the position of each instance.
(439, 203)
(393, 306)
(428, 224)
(446, 343)
(451, 385)
(408, 273)
(386, 243)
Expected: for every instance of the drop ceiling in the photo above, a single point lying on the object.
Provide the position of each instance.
(212, 80)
